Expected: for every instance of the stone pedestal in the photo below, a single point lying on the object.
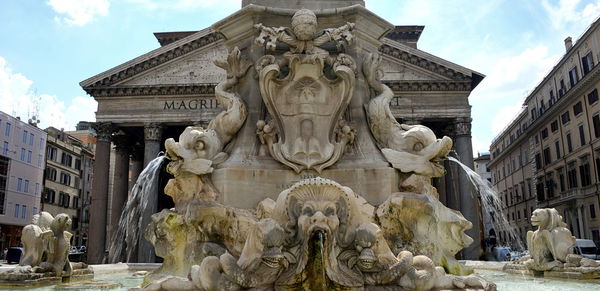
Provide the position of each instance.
(469, 202)
(120, 181)
(97, 229)
(152, 142)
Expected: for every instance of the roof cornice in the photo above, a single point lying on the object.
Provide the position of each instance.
(189, 89)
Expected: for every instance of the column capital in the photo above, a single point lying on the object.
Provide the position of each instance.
(153, 131)
(104, 130)
(462, 126)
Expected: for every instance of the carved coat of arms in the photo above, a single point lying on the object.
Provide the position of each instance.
(305, 104)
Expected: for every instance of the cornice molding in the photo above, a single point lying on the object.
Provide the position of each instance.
(157, 60)
(429, 85)
(423, 63)
(197, 89)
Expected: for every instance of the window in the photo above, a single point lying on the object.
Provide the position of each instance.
(49, 195)
(547, 158)
(19, 184)
(26, 186)
(16, 214)
(23, 154)
(596, 123)
(64, 199)
(37, 188)
(565, 118)
(7, 131)
(78, 164)
(593, 97)
(554, 126)
(539, 188)
(39, 160)
(34, 212)
(557, 149)
(581, 135)
(533, 114)
(31, 139)
(51, 153)
(569, 143)
(538, 161)
(51, 174)
(573, 76)
(572, 176)
(66, 159)
(584, 172)
(562, 89)
(24, 211)
(577, 108)
(544, 133)
(25, 134)
(592, 211)
(587, 63)
(29, 156)
(5, 149)
(41, 143)
(65, 179)
(561, 179)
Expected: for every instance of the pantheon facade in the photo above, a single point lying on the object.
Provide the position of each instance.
(155, 96)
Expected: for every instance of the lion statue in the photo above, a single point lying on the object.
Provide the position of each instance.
(550, 244)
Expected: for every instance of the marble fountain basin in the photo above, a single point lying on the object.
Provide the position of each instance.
(121, 277)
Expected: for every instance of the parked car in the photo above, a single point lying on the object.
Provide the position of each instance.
(586, 248)
(13, 255)
(502, 253)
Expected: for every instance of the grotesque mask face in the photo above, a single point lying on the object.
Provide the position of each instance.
(539, 217)
(304, 24)
(318, 215)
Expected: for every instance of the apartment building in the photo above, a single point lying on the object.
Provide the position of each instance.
(67, 179)
(549, 154)
(21, 176)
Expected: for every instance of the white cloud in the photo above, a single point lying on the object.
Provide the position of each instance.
(184, 5)
(79, 12)
(505, 115)
(570, 12)
(18, 99)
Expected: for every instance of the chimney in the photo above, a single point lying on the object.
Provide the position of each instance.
(568, 43)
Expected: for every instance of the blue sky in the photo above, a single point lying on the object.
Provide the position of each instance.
(48, 47)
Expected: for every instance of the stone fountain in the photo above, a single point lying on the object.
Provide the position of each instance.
(551, 250)
(306, 113)
(45, 257)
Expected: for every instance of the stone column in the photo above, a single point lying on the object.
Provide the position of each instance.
(469, 201)
(120, 181)
(97, 228)
(152, 139)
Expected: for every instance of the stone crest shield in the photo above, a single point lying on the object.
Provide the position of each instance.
(305, 106)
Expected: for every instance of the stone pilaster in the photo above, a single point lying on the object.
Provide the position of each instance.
(152, 141)
(469, 203)
(97, 228)
(120, 180)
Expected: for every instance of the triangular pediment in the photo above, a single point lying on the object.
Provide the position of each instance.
(164, 65)
(410, 64)
(194, 68)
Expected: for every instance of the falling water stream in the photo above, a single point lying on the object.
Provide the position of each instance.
(491, 204)
(317, 277)
(123, 245)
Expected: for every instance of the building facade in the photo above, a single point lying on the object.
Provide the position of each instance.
(21, 176)
(144, 101)
(66, 180)
(549, 155)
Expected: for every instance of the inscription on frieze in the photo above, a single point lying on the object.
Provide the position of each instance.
(192, 104)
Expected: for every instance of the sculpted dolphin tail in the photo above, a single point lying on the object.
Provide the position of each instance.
(381, 119)
(228, 122)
